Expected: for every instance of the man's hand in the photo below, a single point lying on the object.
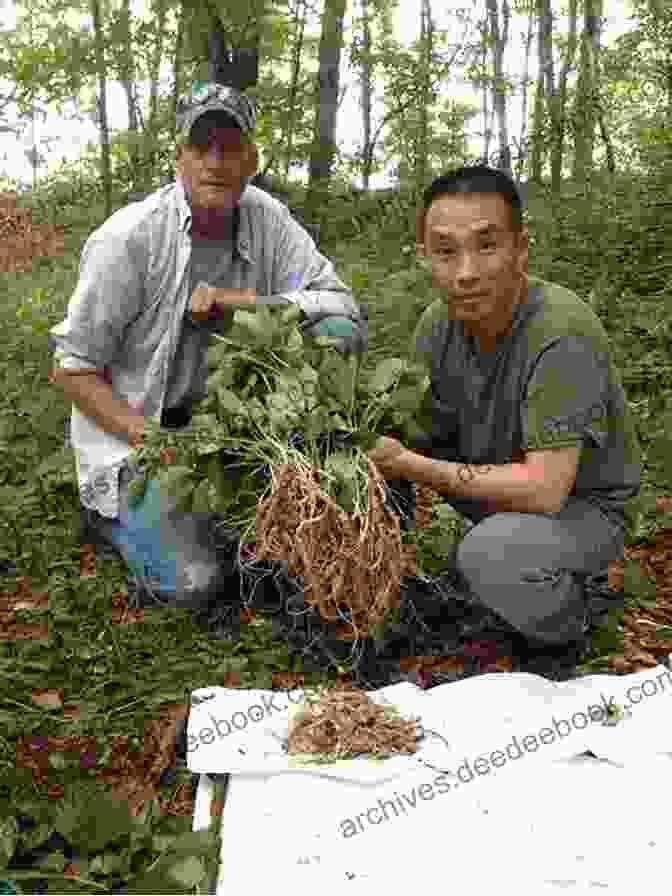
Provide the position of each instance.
(389, 456)
(135, 431)
(207, 300)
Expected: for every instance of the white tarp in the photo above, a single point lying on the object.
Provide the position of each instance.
(501, 792)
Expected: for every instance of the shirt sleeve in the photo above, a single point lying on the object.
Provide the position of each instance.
(108, 297)
(302, 275)
(565, 400)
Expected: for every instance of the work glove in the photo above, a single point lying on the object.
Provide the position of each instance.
(352, 337)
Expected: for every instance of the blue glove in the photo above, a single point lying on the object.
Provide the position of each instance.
(350, 335)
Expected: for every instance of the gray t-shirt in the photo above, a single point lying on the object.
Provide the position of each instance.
(550, 383)
(210, 263)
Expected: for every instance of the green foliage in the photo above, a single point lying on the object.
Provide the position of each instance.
(265, 382)
(615, 256)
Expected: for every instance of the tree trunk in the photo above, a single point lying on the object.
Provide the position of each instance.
(559, 118)
(426, 54)
(159, 9)
(324, 140)
(102, 105)
(545, 80)
(523, 149)
(499, 88)
(367, 91)
(177, 65)
(585, 105)
(297, 51)
(487, 127)
(127, 78)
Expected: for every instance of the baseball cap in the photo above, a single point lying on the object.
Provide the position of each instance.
(209, 97)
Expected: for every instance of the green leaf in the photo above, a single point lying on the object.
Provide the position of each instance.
(295, 342)
(107, 863)
(386, 374)
(203, 449)
(341, 465)
(407, 400)
(335, 378)
(201, 500)
(174, 480)
(9, 839)
(359, 279)
(223, 377)
(638, 585)
(308, 374)
(290, 316)
(91, 818)
(183, 495)
(229, 402)
(59, 462)
(257, 328)
(188, 872)
(175, 872)
(365, 439)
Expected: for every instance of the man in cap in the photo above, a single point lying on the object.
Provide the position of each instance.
(156, 280)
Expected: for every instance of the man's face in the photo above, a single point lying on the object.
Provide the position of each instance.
(212, 166)
(476, 261)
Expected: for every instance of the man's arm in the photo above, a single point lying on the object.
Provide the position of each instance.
(511, 487)
(305, 277)
(95, 399)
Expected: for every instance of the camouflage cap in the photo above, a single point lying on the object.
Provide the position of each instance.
(209, 97)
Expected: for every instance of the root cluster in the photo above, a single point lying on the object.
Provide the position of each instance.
(350, 562)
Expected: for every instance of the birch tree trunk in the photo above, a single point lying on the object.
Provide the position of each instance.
(426, 55)
(99, 39)
(558, 146)
(585, 113)
(366, 80)
(499, 87)
(177, 65)
(523, 150)
(159, 10)
(545, 77)
(300, 14)
(127, 78)
(487, 122)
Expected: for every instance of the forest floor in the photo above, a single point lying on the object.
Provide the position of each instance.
(97, 687)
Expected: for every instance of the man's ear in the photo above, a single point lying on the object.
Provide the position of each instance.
(523, 252)
(251, 161)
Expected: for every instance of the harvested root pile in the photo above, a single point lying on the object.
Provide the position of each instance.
(350, 563)
(347, 722)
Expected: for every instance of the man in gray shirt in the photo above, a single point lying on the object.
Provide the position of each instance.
(155, 281)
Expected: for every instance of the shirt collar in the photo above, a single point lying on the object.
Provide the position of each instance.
(241, 223)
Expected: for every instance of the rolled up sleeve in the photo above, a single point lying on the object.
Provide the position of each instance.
(303, 276)
(107, 298)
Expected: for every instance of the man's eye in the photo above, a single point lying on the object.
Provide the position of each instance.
(488, 245)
